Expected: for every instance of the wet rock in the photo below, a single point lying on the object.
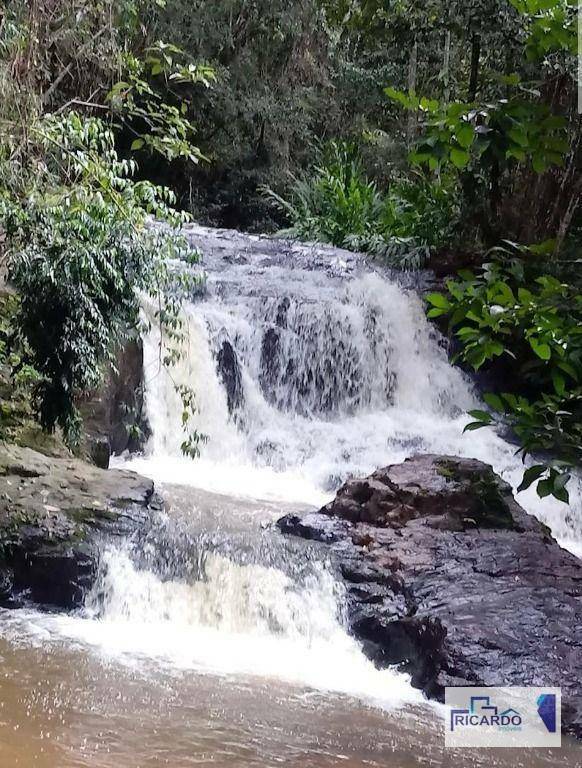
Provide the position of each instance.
(6, 585)
(115, 413)
(270, 363)
(54, 516)
(449, 578)
(101, 452)
(229, 372)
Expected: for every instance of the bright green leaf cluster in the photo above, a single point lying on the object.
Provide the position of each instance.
(81, 250)
(538, 330)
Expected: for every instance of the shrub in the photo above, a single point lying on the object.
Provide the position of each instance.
(509, 310)
(336, 202)
(80, 251)
(339, 205)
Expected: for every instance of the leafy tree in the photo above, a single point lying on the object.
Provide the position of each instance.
(74, 218)
(535, 332)
(80, 251)
(492, 142)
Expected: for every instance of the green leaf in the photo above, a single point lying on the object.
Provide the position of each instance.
(539, 164)
(137, 144)
(465, 135)
(518, 154)
(545, 488)
(563, 365)
(481, 416)
(459, 158)
(541, 349)
(530, 476)
(559, 383)
(494, 402)
(519, 136)
(562, 480)
(561, 494)
(438, 300)
(436, 312)
(474, 426)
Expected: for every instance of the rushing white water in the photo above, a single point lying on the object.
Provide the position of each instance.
(302, 378)
(306, 371)
(238, 619)
(328, 375)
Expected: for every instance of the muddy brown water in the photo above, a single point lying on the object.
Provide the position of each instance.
(67, 708)
(79, 692)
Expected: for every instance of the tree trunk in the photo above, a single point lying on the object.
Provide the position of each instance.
(475, 56)
(447, 68)
(412, 67)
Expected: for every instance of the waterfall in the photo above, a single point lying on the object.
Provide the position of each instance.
(307, 369)
(310, 367)
(238, 619)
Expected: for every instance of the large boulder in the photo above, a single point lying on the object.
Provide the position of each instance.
(54, 515)
(448, 577)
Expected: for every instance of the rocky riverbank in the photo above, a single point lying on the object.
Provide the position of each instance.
(54, 514)
(448, 577)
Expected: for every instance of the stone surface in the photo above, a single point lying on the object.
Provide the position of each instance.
(448, 577)
(54, 513)
(115, 414)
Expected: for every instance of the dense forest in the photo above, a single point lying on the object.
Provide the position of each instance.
(429, 135)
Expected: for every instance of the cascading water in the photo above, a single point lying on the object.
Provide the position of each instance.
(309, 367)
(304, 374)
(215, 638)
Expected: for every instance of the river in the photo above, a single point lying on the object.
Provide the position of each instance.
(211, 640)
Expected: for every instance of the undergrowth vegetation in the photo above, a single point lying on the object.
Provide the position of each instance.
(513, 318)
(340, 205)
(78, 243)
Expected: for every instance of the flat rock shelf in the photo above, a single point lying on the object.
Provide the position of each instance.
(54, 514)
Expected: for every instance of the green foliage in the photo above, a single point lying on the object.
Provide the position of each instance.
(271, 100)
(522, 126)
(487, 136)
(74, 219)
(539, 329)
(337, 202)
(80, 250)
(552, 26)
(143, 101)
(339, 205)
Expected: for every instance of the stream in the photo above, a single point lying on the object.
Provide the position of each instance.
(211, 640)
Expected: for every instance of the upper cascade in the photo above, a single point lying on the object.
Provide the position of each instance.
(311, 364)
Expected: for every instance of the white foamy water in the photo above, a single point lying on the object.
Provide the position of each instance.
(334, 377)
(237, 620)
(303, 377)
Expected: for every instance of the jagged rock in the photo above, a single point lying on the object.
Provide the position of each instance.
(448, 577)
(54, 514)
(270, 363)
(101, 452)
(229, 372)
(115, 413)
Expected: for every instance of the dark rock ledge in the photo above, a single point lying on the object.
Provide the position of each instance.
(448, 577)
(54, 514)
